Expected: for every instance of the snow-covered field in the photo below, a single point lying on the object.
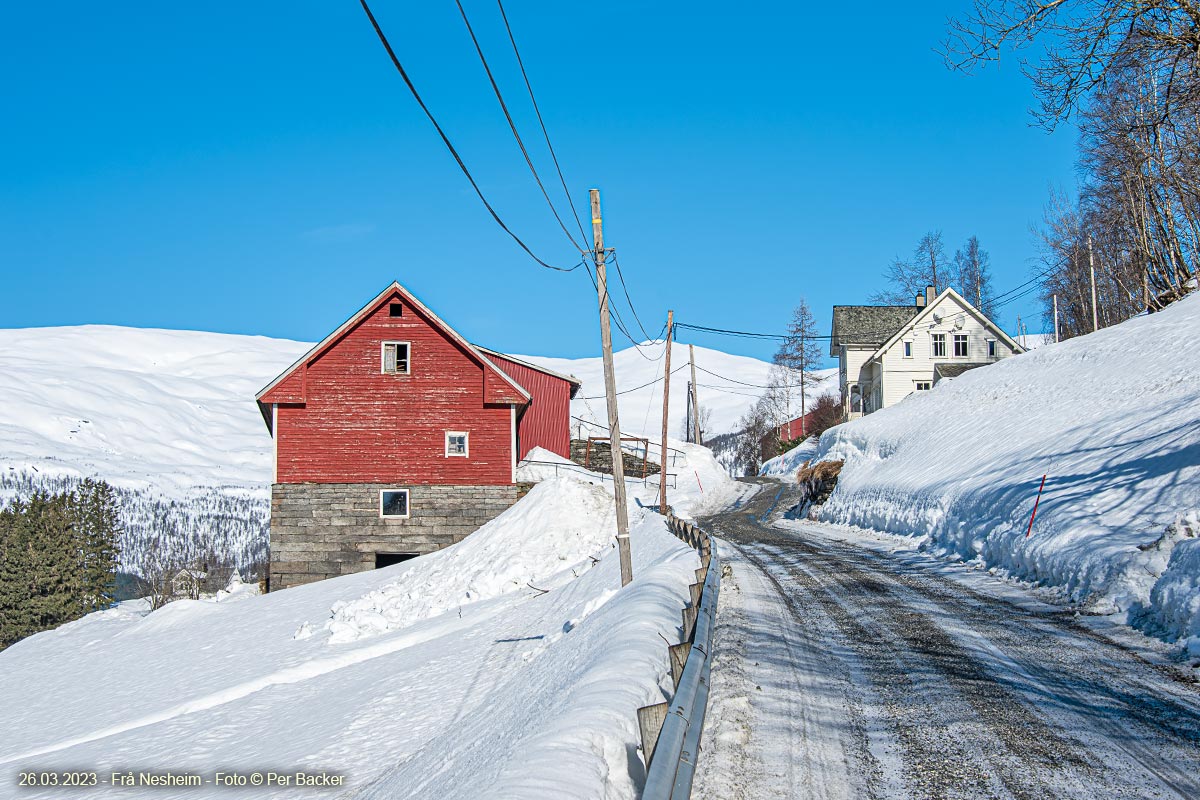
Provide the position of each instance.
(1112, 419)
(509, 665)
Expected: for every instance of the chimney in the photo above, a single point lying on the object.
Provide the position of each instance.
(920, 299)
(929, 295)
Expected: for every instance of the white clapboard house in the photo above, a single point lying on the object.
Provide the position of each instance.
(886, 353)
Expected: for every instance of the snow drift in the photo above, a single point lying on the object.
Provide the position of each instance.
(445, 676)
(1111, 418)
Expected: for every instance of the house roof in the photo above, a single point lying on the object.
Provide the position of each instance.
(943, 370)
(930, 311)
(392, 290)
(867, 325)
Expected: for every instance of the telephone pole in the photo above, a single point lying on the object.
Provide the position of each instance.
(695, 398)
(1056, 319)
(1092, 267)
(610, 391)
(662, 474)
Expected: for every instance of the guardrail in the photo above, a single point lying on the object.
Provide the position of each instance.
(649, 480)
(671, 731)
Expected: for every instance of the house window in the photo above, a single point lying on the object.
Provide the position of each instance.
(908, 349)
(991, 348)
(456, 443)
(924, 386)
(939, 345)
(395, 310)
(393, 503)
(395, 358)
(960, 345)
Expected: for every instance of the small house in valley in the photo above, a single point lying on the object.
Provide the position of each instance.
(394, 437)
(886, 353)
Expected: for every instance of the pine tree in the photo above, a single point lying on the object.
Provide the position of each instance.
(96, 530)
(800, 354)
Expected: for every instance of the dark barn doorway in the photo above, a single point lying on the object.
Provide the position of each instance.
(388, 559)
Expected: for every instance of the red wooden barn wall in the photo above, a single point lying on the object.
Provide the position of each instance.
(360, 426)
(547, 421)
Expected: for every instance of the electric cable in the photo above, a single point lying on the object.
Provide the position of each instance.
(446, 141)
(513, 127)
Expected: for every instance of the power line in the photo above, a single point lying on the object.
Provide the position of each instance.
(628, 299)
(446, 140)
(541, 122)
(620, 323)
(635, 388)
(513, 127)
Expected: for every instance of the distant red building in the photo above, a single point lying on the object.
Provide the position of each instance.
(786, 432)
(394, 437)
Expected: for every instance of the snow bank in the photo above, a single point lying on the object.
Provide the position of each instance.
(559, 529)
(1112, 418)
(520, 693)
(785, 465)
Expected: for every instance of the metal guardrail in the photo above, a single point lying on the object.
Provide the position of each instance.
(649, 480)
(673, 750)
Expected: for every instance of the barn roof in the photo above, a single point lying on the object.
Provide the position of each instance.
(867, 325)
(387, 294)
(571, 379)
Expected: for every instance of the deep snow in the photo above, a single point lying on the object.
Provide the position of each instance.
(508, 665)
(1112, 419)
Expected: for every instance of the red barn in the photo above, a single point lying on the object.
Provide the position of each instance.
(394, 437)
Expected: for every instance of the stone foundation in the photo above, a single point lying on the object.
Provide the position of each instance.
(321, 530)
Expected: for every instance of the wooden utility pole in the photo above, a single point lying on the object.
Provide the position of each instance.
(662, 475)
(1056, 319)
(610, 391)
(695, 398)
(1092, 267)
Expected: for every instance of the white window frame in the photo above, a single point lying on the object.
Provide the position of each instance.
(934, 340)
(908, 350)
(407, 503)
(927, 384)
(466, 444)
(991, 348)
(383, 346)
(966, 340)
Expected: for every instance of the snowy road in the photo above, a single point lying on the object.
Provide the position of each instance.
(846, 670)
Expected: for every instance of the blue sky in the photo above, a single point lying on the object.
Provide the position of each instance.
(261, 168)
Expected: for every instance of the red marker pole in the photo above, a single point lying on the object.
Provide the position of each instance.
(1029, 530)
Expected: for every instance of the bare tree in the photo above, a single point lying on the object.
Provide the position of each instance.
(1082, 43)
(971, 268)
(906, 279)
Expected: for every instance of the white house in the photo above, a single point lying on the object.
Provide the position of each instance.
(885, 353)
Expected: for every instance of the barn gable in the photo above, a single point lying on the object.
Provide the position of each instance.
(290, 386)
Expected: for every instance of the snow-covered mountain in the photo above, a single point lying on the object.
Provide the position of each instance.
(169, 417)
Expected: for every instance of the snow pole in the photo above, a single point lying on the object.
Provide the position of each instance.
(698, 483)
(1029, 530)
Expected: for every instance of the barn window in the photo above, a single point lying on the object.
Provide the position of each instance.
(456, 443)
(388, 559)
(393, 503)
(396, 310)
(939, 345)
(960, 345)
(395, 358)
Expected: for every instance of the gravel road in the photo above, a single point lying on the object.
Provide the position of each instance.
(849, 671)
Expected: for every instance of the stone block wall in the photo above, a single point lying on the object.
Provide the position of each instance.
(322, 530)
